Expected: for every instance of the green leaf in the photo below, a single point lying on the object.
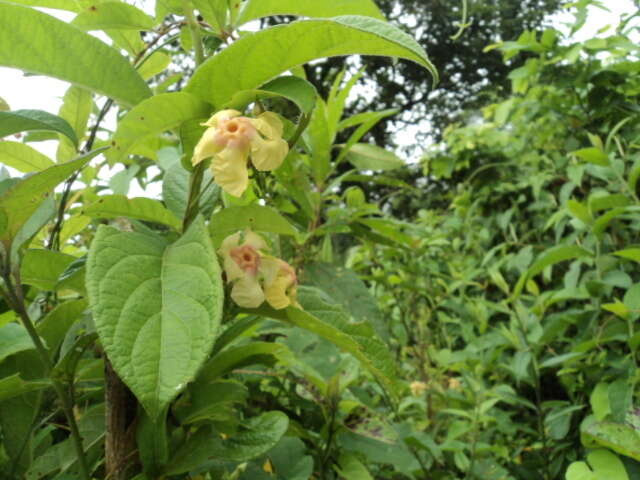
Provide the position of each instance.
(254, 9)
(630, 253)
(212, 401)
(113, 15)
(175, 190)
(54, 326)
(254, 217)
(296, 89)
(75, 109)
(319, 139)
(157, 308)
(29, 120)
(579, 471)
(330, 322)
(14, 386)
(258, 436)
(242, 356)
(23, 157)
(62, 455)
(13, 339)
(214, 12)
(593, 155)
(141, 208)
(42, 268)
(618, 437)
(21, 200)
(550, 257)
(345, 288)
(245, 68)
(155, 64)
(365, 156)
(70, 5)
(599, 400)
(350, 468)
(154, 116)
(49, 46)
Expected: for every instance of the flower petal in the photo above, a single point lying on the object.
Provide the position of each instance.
(268, 154)
(247, 293)
(254, 240)
(269, 125)
(207, 146)
(280, 292)
(229, 169)
(221, 115)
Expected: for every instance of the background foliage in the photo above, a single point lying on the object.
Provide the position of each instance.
(475, 318)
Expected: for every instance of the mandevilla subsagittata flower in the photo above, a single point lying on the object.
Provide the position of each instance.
(256, 276)
(232, 139)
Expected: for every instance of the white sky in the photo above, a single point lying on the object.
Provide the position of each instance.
(44, 93)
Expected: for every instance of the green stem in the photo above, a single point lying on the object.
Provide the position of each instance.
(302, 126)
(16, 297)
(193, 204)
(195, 31)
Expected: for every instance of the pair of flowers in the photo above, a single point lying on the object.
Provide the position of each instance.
(255, 275)
(232, 139)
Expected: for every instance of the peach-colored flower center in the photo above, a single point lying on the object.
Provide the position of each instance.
(234, 133)
(247, 258)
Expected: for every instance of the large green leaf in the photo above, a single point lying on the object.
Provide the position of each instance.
(259, 435)
(157, 308)
(20, 201)
(113, 15)
(39, 43)
(257, 58)
(254, 9)
(619, 437)
(28, 120)
(153, 117)
(332, 323)
(141, 208)
(23, 158)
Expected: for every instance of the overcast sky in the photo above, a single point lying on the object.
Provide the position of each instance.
(43, 93)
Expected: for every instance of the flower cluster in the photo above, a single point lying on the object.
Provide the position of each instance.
(232, 139)
(256, 276)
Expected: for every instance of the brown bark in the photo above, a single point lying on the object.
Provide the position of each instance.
(120, 443)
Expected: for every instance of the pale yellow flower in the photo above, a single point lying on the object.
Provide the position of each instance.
(232, 139)
(242, 258)
(280, 283)
(418, 388)
(256, 276)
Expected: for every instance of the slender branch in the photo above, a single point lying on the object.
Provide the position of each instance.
(195, 31)
(53, 243)
(15, 295)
